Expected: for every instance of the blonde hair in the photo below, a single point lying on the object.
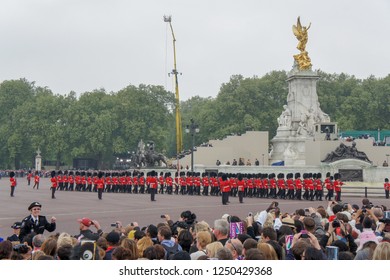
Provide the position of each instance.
(212, 248)
(268, 251)
(65, 239)
(203, 238)
(142, 244)
(132, 245)
(37, 254)
(269, 221)
(202, 226)
(382, 251)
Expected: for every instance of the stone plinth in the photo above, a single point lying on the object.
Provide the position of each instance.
(300, 119)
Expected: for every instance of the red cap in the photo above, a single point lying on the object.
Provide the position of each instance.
(85, 221)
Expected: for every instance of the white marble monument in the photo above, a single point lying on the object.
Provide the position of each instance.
(302, 116)
(38, 161)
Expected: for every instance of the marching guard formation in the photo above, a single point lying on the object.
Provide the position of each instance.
(309, 186)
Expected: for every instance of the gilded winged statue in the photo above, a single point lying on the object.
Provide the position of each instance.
(301, 34)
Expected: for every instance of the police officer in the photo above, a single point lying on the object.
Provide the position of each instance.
(35, 222)
(16, 231)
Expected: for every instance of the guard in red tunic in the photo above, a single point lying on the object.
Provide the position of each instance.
(265, 185)
(71, 181)
(65, 179)
(89, 181)
(240, 187)
(36, 180)
(281, 186)
(29, 176)
(60, 183)
(129, 182)
(290, 185)
(305, 186)
(153, 185)
(387, 187)
(54, 184)
(298, 185)
(319, 187)
(337, 186)
(161, 183)
(141, 182)
(13, 182)
(225, 188)
(100, 185)
(258, 185)
(135, 182)
(197, 183)
(272, 185)
(205, 183)
(78, 181)
(311, 180)
(182, 183)
(169, 182)
(83, 181)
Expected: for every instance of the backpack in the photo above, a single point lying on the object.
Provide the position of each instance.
(170, 251)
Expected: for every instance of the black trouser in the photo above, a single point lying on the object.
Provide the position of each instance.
(241, 196)
(152, 193)
(299, 194)
(100, 193)
(12, 191)
(53, 191)
(338, 196)
(225, 198)
(329, 195)
(387, 193)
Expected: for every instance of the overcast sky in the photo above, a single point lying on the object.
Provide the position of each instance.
(82, 45)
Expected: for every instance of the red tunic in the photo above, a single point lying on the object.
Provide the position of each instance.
(53, 182)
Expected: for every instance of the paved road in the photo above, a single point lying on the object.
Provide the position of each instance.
(69, 206)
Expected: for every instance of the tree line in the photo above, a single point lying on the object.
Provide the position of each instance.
(106, 125)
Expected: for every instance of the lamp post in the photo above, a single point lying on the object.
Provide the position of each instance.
(387, 158)
(192, 128)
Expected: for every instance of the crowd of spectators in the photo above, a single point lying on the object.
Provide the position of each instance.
(338, 231)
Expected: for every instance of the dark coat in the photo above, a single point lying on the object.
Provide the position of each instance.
(28, 226)
(89, 235)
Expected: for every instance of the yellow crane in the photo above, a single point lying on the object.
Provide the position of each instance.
(179, 137)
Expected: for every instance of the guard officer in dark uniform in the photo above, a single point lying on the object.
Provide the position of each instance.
(16, 229)
(36, 222)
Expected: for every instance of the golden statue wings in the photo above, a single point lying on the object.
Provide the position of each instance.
(301, 34)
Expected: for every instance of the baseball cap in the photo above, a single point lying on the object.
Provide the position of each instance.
(85, 221)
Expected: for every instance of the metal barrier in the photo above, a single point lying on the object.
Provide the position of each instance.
(363, 191)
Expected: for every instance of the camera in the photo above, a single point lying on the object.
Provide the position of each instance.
(304, 234)
(114, 224)
(162, 216)
(336, 224)
(20, 248)
(250, 214)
